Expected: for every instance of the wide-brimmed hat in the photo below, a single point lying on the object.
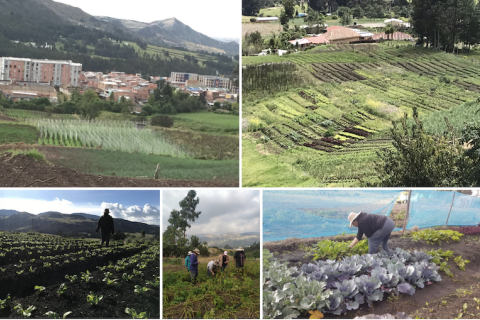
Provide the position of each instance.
(106, 211)
(352, 216)
(196, 251)
(216, 263)
(189, 252)
(240, 249)
(225, 253)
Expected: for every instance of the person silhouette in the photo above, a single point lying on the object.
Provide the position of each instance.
(106, 224)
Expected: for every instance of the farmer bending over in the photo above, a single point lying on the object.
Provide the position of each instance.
(377, 229)
(187, 260)
(194, 265)
(106, 224)
(212, 266)
(223, 259)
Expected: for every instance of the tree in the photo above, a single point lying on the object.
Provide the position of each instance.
(217, 105)
(421, 160)
(289, 7)
(284, 19)
(90, 105)
(111, 97)
(143, 233)
(180, 219)
(195, 241)
(250, 7)
(358, 12)
(346, 18)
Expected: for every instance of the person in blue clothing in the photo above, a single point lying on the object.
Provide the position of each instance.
(187, 260)
(194, 266)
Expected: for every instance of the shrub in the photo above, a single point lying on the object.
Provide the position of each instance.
(162, 121)
(253, 20)
(334, 17)
(329, 133)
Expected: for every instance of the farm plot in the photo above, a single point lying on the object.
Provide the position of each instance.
(415, 276)
(231, 294)
(108, 135)
(56, 276)
(31, 114)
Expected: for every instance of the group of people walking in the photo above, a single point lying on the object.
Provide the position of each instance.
(191, 262)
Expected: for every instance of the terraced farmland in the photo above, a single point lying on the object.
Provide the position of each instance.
(327, 132)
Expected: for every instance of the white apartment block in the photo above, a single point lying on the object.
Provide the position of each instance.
(181, 77)
(36, 70)
(214, 82)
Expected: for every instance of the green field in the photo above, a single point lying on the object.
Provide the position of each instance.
(123, 164)
(13, 133)
(207, 122)
(325, 128)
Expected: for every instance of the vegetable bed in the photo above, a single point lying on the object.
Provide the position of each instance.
(406, 281)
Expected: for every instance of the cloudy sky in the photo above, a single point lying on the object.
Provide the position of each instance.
(138, 205)
(214, 18)
(223, 211)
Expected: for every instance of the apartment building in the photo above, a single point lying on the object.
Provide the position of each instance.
(56, 72)
(181, 77)
(214, 82)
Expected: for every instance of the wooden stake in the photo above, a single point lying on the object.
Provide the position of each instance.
(407, 214)
(19, 175)
(156, 172)
(446, 223)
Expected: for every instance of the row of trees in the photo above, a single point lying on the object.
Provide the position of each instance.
(442, 24)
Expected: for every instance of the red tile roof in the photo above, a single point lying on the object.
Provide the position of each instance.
(318, 39)
(335, 28)
(343, 33)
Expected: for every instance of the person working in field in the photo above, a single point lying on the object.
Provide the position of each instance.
(212, 267)
(377, 229)
(194, 266)
(223, 259)
(187, 260)
(240, 258)
(106, 224)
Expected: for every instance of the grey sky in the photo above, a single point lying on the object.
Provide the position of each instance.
(214, 18)
(223, 211)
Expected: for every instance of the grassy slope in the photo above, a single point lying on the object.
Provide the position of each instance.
(207, 122)
(387, 93)
(13, 133)
(102, 162)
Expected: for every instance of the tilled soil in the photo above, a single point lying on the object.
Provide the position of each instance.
(23, 171)
(445, 299)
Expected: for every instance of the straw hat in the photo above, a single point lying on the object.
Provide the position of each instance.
(352, 216)
(189, 252)
(196, 251)
(216, 263)
(225, 253)
(240, 249)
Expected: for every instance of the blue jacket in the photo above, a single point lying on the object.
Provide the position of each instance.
(193, 262)
(187, 263)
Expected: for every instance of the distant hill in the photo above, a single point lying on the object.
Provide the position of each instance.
(232, 239)
(4, 212)
(173, 32)
(56, 222)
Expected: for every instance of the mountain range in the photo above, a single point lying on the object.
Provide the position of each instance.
(59, 223)
(234, 240)
(45, 15)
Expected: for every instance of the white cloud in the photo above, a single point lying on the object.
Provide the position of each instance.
(223, 210)
(146, 214)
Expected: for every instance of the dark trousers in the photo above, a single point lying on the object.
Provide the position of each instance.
(105, 239)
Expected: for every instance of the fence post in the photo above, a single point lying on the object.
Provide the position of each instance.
(407, 214)
(446, 223)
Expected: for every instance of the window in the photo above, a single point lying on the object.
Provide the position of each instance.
(15, 66)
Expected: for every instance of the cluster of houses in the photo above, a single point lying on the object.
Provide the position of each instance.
(26, 79)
